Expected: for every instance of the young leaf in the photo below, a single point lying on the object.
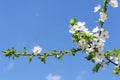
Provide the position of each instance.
(116, 70)
(30, 58)
(108, 53)
(116, 52)
(54, 52)
(90, 56)
(59, 56)
(63, 51)
(42, 58)
(96, 67)
(71, 53)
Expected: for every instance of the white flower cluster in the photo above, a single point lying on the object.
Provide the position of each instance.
(103, 16)
(97, 43)
(80, 26)
(103, 35)
(113, 3)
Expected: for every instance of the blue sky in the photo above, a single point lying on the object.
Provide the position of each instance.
(28, 23)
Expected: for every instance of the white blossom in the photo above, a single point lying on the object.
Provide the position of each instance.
(103, 66)
(89, 50)
(81, 26)
(100, 46)
(73, 29)
(99, 57)
(96, 29)
(103, 17)
(113, 3)
(104, 35)
(82, 44)
(96, 36)
(86, 30)
(97, 8)
(37, 50)
(117, 60)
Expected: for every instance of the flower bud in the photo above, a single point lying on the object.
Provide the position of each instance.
(73, 21)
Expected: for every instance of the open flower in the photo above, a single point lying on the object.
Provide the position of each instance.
(100, 46)
(96, 29)
(89, 50)
(99, 57)
(81, 25)
(103, 17)
(97, 8)
(37, 50)
(73, 29)
(82, 44)
(103, 66)
(113, 3)
(104, 34)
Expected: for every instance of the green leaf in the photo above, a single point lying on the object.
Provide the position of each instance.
(71, 53)
(59, 56)
(104, 9)
(105, 1)
(6, 53)
(25, 50)
(116, 52)
(63, 51)
(30, 58)
(96, 67)
(77, 36)
(54, 52)
(108, 53)
(16, 54)
(73, 50)
(9, 52)
(91, 56)
(116, 70)
(42, 58)
(46, 53)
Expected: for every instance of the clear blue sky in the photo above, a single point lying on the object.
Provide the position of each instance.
(45, 22)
